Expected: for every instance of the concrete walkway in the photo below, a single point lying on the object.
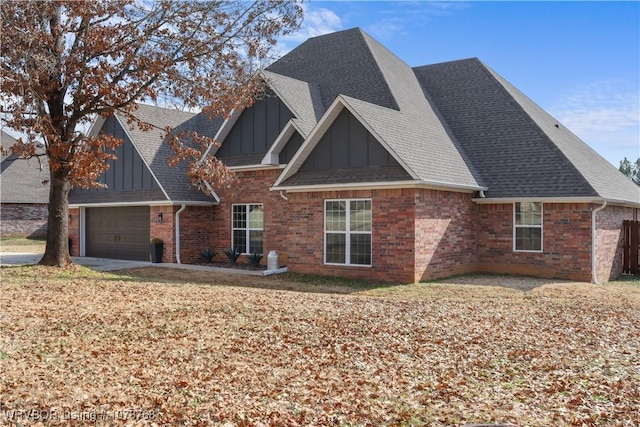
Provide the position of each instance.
(103, 264)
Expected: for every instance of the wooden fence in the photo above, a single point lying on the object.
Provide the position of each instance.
(631, 230)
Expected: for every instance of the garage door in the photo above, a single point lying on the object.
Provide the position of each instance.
(118, 233)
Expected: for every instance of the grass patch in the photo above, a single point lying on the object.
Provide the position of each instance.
(627, 279)
(22, 244)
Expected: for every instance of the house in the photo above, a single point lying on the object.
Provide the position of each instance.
(24, 193)
(352, 163)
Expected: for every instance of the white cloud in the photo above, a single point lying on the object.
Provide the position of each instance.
(317, 21)
(606, 115)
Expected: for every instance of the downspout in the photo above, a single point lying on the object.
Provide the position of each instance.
(282, 194)
(178, 233)
(594, 276)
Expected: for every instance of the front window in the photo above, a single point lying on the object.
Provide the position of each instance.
(247, 228)
(527, 233)
(347, 232)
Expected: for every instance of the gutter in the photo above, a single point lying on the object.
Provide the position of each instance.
(594, 276)
(178, 233)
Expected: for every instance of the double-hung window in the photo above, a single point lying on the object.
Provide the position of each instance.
(347, 232)
(527, 230)
(247, 227)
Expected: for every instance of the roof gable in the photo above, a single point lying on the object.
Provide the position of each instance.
(153, 149)
(253, 132)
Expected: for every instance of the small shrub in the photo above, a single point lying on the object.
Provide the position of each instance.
(232, 254)
(207, 255)
(254, 259)
(156, 240)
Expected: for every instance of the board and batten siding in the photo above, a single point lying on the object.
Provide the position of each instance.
(128, 171)
(347, 144)
(256, 129)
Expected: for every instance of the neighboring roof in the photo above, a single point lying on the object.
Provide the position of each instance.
(7, 141)
(21, 180)
(518, 148)
(155, 151)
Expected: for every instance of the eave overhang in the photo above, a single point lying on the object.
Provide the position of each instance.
(376, 185)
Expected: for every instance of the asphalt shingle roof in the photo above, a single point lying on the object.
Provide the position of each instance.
(518, 148)
(155, 151)
(399, 114)
(21, 180)
(338, 63)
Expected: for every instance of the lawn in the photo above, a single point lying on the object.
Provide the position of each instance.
(172, 347)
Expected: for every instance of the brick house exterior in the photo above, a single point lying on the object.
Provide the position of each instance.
(389, 172)
(23, 195)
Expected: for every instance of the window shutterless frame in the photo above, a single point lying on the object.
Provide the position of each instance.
(247, 227)
(348, 232)
(528, 227)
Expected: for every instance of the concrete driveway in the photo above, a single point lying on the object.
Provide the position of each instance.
(11, 258)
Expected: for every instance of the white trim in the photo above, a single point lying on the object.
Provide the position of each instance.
(245, 168)
(347, 233)
(97, 124)
(374, 185)
(599, 200)
(272, 157)
(82, 248)
(247, 229)
(222, 133)
(142, 203)
(177, 242)
(540, 226)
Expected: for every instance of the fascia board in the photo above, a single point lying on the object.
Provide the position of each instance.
(260, 167)
(97, 124)
(126, 131)
(153, 203)
(222, 133)
(374, 186)
(598, 200)
(289, 129)
(312, 139)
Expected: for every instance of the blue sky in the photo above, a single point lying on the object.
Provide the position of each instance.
(580, 61)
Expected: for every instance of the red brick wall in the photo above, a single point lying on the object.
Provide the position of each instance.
(74, 231)
(609, 241)
(163, 230)
(196, 224)
(295, 227)
(23, 220)
(445, 241)
(392, 234)
(253, 187)
(566, 242)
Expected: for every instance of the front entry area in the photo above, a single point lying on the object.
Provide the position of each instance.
(118, 232)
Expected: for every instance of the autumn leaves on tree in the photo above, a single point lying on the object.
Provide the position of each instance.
(66, 62)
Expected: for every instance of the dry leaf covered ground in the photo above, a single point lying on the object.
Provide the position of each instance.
(169, 347)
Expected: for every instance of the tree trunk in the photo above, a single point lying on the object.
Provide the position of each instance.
(57, 249)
